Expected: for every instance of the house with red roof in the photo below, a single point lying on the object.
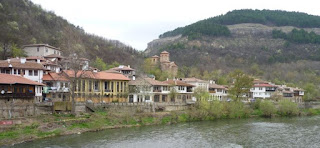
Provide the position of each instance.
(262, 89)
(18, 87)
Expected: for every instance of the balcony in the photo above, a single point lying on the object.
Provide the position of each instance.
(17, 95)
(157, 91)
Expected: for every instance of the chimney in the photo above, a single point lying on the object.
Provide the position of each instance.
(38, 60)
(95, 70)
(129, 66)
(8, 60)
(23, 60)
(133, 78)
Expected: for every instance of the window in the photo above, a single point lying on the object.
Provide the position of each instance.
(147, 97)
(14, 71)
(180, 88)
(106, 86)
(61, 84)
(121, 86)
(164, 97)
(96, 85)
(37, 49)
(35, 72)
(90, 86)
(260, 88)
(156, 98)
(18, 71)
(30, 72)
(46, 49)
(111, 86)
(66, 85)
(54, 52)
(165, 88)
(117, 86)
(83, 85)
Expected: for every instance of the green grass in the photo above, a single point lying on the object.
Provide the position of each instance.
(183, 118)
(49, 133)
(147, 120)
(165, 120)
(9, 135)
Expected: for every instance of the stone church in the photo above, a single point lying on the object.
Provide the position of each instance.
(165, 63)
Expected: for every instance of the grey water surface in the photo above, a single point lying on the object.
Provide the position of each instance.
(257, 132)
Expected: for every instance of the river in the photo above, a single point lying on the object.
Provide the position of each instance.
(254, 132)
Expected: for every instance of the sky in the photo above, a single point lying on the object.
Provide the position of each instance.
(138, 22)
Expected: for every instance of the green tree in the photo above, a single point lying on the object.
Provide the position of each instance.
(100, 64)
(267, 107)
(242, 85)
(201, 94)
(288, 108)
(17, 52)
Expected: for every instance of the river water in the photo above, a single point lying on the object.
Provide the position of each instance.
(260, 132)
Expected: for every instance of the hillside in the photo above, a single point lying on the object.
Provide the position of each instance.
(22, 22)
(273, 45)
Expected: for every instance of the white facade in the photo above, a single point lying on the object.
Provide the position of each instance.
(260, 92)
(40, 50)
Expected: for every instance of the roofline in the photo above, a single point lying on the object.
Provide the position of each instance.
(38, 45)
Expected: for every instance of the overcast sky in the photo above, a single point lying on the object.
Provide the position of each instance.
(137, 22)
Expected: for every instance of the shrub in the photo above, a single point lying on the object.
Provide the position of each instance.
(267, 108)
(216, 109)
(288, 108)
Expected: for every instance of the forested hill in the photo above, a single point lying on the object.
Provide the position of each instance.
(216, 26)
(22, 22)
(273, 45)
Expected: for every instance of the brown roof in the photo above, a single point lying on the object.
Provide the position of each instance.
(39, 45)
(54, 56)
(164, 52)
(15, 79)
(122, 67)
(52, 76)
(112, 71)
(110, 76)
(155, 56)
(97, 75)
(19, 65)
(147, 81)
(193, 79)
(177, 83)
(216, 86)
(264, 85)
(35, 58)
(258, 81)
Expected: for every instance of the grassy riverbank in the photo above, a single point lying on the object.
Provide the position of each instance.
(55, 125)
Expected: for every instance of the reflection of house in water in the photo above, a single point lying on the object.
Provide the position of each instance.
(165, 63)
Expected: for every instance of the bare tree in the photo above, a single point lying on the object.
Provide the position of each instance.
(74, 72)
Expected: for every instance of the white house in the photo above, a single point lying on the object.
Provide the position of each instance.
(40, 50)
(217, 92)
(263, 90)
(148, 90)
(199, 84)
(30, 70)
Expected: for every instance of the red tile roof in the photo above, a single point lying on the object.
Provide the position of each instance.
(216, 86)
(54, 77)
(122, 67)
(164, 52)
(15, 79)
(177, 83)
(264, 85)
(98, 75)
(193, 79)
(19, 65)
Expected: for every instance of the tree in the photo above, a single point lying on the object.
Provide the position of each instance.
(241, 86)
(16, 52)
(267, 107)
(74, 73)
(100, 64)
(201, 94)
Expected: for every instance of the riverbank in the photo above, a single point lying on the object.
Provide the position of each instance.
(64, 124)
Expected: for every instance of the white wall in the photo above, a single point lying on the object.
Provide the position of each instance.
(33, 51)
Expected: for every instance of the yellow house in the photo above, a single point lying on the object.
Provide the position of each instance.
(100, 86)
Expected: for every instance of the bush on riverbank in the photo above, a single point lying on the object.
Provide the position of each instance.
(288, 108)
(267, 108)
